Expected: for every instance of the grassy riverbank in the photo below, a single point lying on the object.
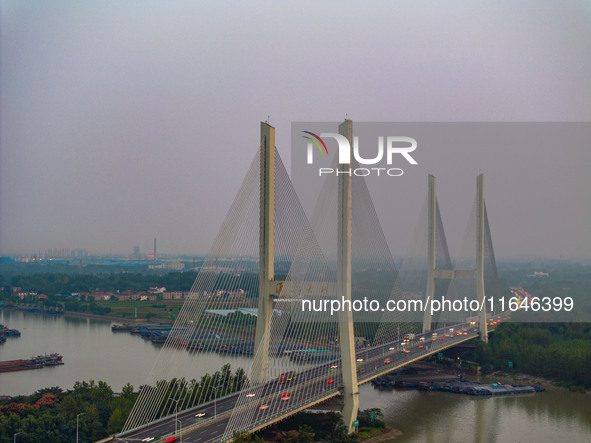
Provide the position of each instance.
(528, 379)
(379, 435)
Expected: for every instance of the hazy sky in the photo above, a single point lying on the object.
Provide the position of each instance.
(122, 121)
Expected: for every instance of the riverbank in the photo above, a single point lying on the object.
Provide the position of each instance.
(113, 310)
(111, 318)
(115, 319)
(520, 378)
(386, 434)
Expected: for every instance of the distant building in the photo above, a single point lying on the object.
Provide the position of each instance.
(176, 266)
(23, 294)
(173, 295)
(66, 252)
(146, 297)
(100, 295)
(128, 295)
(538, 274)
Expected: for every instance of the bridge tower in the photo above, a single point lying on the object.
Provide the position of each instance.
(480, 233)
(266, 249)
(431, 249)
(433, 272)
(346, 332)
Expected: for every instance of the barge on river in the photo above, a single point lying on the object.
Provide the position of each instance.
(31, 363)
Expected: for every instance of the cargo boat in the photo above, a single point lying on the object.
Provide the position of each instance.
(4, 331)
(119, 327)
(32, 363)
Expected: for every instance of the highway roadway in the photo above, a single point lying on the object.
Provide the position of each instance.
(208, 422)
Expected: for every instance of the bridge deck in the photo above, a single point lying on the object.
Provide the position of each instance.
(374, 362)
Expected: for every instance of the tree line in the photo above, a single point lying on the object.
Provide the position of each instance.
(558, 351)
(49, 414)
(52, 284)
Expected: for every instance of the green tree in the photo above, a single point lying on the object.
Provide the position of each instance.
(305, 435)
(116, 422)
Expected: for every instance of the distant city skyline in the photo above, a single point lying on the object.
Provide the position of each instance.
(125, 121)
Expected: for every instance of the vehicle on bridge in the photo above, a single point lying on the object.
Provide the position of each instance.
(287, 377)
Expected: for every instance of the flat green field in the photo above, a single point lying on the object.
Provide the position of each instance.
(161, 310)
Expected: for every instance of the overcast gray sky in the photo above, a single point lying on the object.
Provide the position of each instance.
(122, 121)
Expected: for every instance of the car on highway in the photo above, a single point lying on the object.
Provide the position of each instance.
(263, 406)
(287, 377)
(330, 380)
(250, 395)
(387, 362)
(201, 414)
(169, 439)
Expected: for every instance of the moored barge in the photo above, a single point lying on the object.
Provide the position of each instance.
(37, 362)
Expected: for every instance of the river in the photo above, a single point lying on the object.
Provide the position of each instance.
(91, 350)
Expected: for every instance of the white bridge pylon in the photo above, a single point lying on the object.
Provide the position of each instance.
(343, 283)
(268, 258)
(433, 272)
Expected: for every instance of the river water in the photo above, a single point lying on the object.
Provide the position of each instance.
(91, 351)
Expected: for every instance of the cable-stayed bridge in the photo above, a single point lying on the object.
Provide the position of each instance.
(269, 288)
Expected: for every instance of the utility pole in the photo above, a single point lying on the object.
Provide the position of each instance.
(82, 413)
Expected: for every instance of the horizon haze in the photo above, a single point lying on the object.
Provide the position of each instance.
(121, 122)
